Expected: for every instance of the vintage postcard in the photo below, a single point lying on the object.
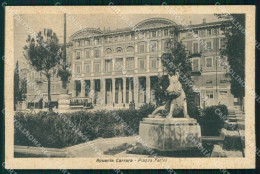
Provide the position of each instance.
(130, 87)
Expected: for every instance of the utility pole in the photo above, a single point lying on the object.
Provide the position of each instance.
(64, 50)
(216, 65)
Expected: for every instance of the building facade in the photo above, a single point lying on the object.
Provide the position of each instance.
(119, 67)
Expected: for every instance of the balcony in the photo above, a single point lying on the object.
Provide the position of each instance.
(195, 73)
(194, 55)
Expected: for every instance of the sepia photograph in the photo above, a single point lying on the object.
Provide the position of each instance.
(130, 87)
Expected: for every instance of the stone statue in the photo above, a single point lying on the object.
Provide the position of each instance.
(176, 106)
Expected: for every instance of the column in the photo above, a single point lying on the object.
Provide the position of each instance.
(147, 46)
(159, 45)
(147, 63)
(103, 91)
(119, 92)
(124, 90)
(102, 66)
(82, 69)
(113, 66)
(82, 88)
(92, 67)
(148, 89)
(130, 90)
(74, 89)
(136, 64)
(113, 90)
(136, 89)
(124, 63)
(92, 89)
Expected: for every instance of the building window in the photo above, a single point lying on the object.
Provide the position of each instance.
(87, 68)
(87, 42)
(119, 64)
(96, 41)
(132, 37)
(153, 64)
(209, 82)
(153, 46)
(208, 32)
(153, 33)
(108, 51)
(209, 62)
(202, 32)
(188, 34)
(222, 43)
(141, 48)
(97, 85)
(127, 37)
(195, 48)
(141, 63)
(87, 53)
(166, 32)
(209, 45)
(106, 40)
(185, 45)
(215, 31)
(130, 63)
(82, 43)
(77, 43)
(195, 65)
(96, 53)
(96, 67)
(222, 29)
(110, 39)
(141, 35)
(108, 65)
(166, 45)
(209, 95)
(78, 67)
(196, 33)
(222, 61)
(119, 50)
(116, 38)
(130, 49)
(78, 54)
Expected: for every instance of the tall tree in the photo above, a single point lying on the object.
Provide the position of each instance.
(16, 85)
(44, 55)
(235, 52)
(176, 59)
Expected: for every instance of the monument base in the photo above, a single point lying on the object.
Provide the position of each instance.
(166, 134)
(64, 101)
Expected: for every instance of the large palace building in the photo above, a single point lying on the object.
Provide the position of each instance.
(116, 67)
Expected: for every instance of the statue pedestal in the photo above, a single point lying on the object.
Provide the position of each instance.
(64, 101)
(170, 134)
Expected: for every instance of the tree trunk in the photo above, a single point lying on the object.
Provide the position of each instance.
(49, 92)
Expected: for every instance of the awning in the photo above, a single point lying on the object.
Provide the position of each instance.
(33, 98)
(55, 98)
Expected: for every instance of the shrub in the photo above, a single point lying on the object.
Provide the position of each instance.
(211, 122)
(62, 130)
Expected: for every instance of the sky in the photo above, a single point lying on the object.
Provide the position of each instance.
(75, 22)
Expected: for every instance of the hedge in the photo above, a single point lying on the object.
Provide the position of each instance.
(60, 130)
(50, 129)
(211, 122)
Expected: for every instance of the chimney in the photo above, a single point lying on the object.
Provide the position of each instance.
(190, 22)
(204, 21)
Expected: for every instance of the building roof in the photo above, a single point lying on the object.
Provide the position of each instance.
(143, 25)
